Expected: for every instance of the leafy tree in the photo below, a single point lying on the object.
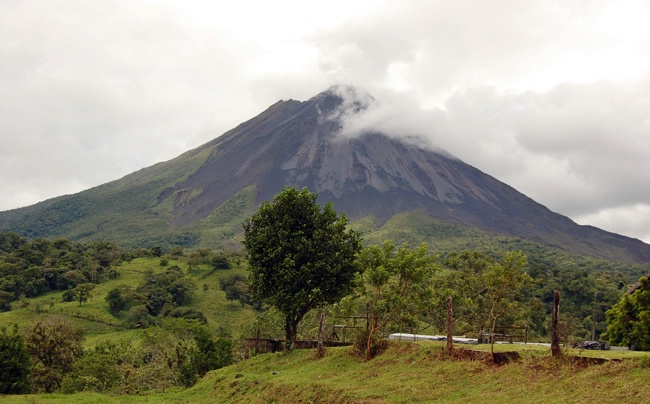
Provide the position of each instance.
(200, 257)
(53, 346)
(206, 354)
(11, 241)
(462, 279)
(391, 283)
(138, 316)
(14, 360)
(220, 262)
(185, 349)
(164, 291)
(300, 257)
(5, 300)
(95, 371)
(115, 300)
(235, 288)
(504, 282)
(211, 353)
(629, 319)
(83, 292)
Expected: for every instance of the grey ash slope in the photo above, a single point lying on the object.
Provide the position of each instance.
(296, 143)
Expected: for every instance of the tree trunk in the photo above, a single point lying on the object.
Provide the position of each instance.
(494, 315)
(371, 333)
(555, 331)
(291, 329)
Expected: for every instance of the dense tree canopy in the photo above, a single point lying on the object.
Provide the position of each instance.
(14, 360)
(629, 319)
(300, 257)
(31, 268)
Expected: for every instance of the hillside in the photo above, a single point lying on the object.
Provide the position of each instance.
(200, 198)
(224, 317)
(406, 373)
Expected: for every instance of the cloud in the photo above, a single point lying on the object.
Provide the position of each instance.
(93, 91)
(634, 218)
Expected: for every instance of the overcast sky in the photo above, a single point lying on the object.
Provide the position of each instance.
(551, 97)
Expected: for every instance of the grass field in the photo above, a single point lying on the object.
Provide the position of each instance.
(409, 372)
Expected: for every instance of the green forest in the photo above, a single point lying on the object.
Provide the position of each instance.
(98, 317)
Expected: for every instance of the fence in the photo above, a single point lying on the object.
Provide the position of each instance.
(509, 334)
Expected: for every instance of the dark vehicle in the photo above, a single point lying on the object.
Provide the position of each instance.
(595, 345)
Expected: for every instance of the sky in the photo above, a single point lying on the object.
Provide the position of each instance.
(552, 97)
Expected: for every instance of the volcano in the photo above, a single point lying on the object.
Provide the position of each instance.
(294, 143)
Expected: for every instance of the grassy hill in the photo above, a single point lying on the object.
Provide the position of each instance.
(406, 373)
(93, 317)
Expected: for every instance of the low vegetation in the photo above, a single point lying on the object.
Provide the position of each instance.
(406, 372)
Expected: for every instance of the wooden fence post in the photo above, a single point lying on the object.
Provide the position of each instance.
(319, 350)
(555, 330)
(450, 324)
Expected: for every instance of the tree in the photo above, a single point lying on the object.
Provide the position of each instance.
(220, 262)
(139, 317)
(206, 355)
(53, 345)
(95, 371)
(462, 280)
(300, 257)
(185, 349)
(504, 283)
(83, 292)
(116, 301)
(5, 300)
(235, 288)
(629, 319)
(14, 371)
(164, 291)
(392, 283)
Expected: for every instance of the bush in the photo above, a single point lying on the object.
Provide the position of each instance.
(138, 316)
(95, 371)
(220, 262)
(189, 313)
